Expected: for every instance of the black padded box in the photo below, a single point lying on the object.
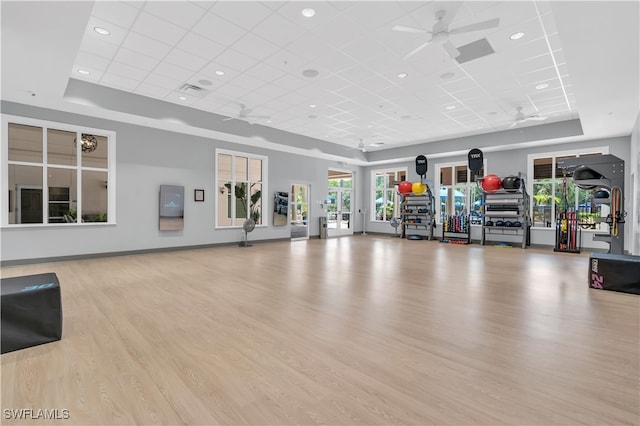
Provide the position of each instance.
(616, 272)
(31, 311)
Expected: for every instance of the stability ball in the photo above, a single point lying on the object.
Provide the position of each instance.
(491, 183)
(418, 188)
(511, 183)
(405, 187)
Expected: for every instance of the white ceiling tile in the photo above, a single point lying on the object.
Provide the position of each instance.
(254, 46)
(146, 45)
(164, 82)
(119, 13)
(290, 82)
(333, 83)
(217, 29)
(286, 61)
(248, 82)
(166, 69)
(118, 81)
(272, 91)
(364, 49)
(185, 60)
(141, 61)
(94, 75)
(292, 11)
(309, 47)
(231, 91)
(244, 14)
(278, 30)
(230, 59)
(158, 29)
(183, 14)
(98, 47)
(90, 60)
(116, 32)
(273, 4)
(265, 72)
(374, 14)
(339, 32)
(125, 70)
(355, 73)
(256, 100)
(200, 46)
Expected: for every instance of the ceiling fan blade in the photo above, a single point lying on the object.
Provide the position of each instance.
(484, 25)
(417, 49)
(228, 118)
(515, 123)
(451, 49)
(408, 29)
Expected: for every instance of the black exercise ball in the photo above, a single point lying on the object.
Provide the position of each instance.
(585, 173)
(601, 194)
(517, 224)
(511, 183)
(508, 223)
(488, 223)
(499, 223)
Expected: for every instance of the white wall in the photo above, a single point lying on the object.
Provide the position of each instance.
(147, 158)
(633, 203)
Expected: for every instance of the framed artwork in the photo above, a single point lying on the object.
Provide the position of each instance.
(198, 194)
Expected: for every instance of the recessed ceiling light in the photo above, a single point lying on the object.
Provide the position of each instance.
(516, 36)
(542, 86)
(219, 72)
(450, 107)
(308, 12)
(447, 75)
(403, 75)
(83, 72)
(205, 82)
(182, 98)
(310, 73)
(268, 121)
(101, 31)
(312, 105)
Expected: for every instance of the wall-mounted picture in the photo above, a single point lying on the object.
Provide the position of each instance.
(171, 207)
(198, 194)
(280, 208)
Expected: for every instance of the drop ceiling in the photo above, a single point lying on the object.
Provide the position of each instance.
(214, 57)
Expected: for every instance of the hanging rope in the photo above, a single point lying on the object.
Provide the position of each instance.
(616, 199)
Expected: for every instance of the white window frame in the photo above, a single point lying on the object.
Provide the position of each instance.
(265, 174)
(45, 125)
(437, 184)
(604, 150)
(372, 204)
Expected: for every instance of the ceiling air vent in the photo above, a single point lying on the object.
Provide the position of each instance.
(193, 90)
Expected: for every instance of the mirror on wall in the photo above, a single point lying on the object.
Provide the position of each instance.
(171, 207)
(299, 211)
(280, 208)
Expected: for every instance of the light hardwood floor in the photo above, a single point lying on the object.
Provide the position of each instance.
(358, 330)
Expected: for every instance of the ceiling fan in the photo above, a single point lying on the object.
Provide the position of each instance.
(245, 114)
(441, 32)
(364, 147)
(521, 118)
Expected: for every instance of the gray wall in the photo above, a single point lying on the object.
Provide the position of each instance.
(147, 158)
(508, 162)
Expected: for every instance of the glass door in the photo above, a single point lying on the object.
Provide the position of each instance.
(299, 213)
(339, 205)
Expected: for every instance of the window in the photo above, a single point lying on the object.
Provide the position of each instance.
(459, 194)
(57, 174)
(552, 191)
(241, 181)
(386, 201)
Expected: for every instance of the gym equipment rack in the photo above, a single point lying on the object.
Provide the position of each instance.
(457, 230)
(611, 170)
(506, 207)
(568, 233)
(418, 215)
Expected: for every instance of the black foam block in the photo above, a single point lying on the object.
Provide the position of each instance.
(31, 311)
(616, 272)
